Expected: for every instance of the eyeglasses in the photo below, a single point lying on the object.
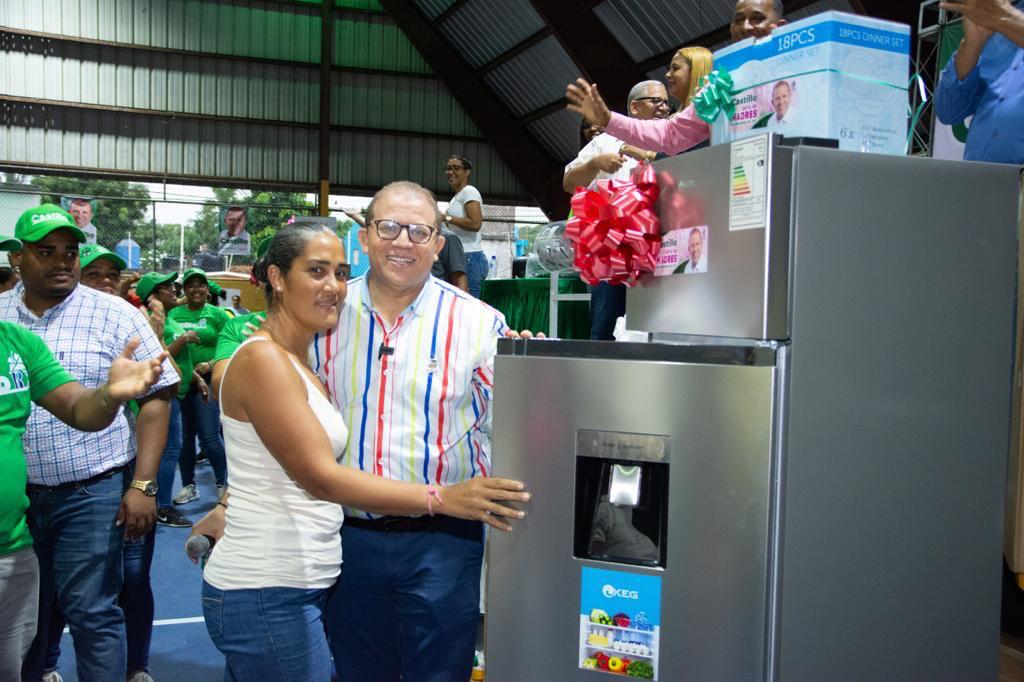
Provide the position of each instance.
(390, 229)
(655, 101)
(454, 169)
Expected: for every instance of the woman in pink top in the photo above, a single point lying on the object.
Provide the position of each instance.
(670, 135)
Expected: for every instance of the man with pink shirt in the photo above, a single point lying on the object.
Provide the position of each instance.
(753, 18)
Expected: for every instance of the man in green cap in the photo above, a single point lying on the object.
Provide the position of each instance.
(32, 375)
(101, 268)
(78, 481)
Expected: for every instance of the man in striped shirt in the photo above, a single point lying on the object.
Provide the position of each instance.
(409, 366)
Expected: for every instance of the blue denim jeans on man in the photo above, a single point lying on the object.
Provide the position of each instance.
(275, 633)
(136, 601)
(80, 559)
(201, 419)
(407, 604)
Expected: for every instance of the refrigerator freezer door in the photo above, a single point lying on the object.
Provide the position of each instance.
(740, 203)
(718, 420)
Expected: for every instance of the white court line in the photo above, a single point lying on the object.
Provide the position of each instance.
(168, 621)
(179, 621)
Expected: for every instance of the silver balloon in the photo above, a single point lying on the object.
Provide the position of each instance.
(554, 249)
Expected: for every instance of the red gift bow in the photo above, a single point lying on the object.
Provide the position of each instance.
(615, 229)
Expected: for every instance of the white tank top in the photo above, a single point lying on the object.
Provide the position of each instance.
(277, 534)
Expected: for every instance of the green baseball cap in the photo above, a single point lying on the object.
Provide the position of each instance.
(35, 223)
(192, 272)
(10, 244)
(90, 252)
(150, 281)
(214, 288)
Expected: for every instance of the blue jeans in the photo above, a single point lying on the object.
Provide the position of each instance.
(136, 601)
(407, 604)
(476, 271)
(202, 419)
(169, 460)
(275, 633)
(607, 304)
(80, 559)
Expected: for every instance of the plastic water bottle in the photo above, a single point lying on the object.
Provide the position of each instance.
(492, 268)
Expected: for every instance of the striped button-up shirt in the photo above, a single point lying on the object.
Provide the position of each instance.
(416, 395)
(85, 332)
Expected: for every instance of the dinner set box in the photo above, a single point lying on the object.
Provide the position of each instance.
(832, 75)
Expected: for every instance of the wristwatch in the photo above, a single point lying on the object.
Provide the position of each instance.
(447, 218)
(148, 488)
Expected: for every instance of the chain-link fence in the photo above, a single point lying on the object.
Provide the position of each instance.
(157, 234)
(170, 232)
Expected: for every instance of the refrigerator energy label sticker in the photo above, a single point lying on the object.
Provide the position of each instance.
(748, 196)
(620, 617)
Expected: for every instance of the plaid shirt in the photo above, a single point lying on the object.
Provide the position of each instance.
(86, 332)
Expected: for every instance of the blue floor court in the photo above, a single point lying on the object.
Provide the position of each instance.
(181, 649)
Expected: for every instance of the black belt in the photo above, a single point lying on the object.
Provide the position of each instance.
(36, 488)
(471, 530)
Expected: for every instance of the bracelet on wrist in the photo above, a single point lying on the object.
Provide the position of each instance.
(222, 504)
(433, 494)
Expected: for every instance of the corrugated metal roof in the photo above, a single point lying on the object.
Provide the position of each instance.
(375, 42)
(376, 160)
(432, 9)
(649, 27)
(559, 133)
(393, 102)
(481, 30)
(534, 78)
(267, 30)
(122, 77)
(131, 143)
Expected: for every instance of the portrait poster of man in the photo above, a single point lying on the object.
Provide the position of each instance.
(234, 233)
(82, 210)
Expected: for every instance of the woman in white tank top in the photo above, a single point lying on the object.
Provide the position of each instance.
(266, 581)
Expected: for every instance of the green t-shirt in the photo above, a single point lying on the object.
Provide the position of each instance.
(28, 371)
(235, 332)
(208, 322)
(172, 330)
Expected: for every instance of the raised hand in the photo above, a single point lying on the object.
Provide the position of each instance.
(981, 17)
(128, 378)
(585, 100)
(480, 499)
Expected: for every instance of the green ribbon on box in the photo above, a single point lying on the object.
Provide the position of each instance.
(716, 96)
(719, 95)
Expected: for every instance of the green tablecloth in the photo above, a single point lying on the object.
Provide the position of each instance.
(525, 304)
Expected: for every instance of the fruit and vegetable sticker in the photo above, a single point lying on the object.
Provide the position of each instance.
(620, 616)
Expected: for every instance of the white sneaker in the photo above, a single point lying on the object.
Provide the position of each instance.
(188, 493)
(53, 676)
(140, 676)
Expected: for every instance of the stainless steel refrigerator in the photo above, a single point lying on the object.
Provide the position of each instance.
(802, 476)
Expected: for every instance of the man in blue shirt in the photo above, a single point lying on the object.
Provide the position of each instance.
(985, 78)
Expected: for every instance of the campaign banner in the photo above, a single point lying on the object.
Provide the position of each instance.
(234, 234)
